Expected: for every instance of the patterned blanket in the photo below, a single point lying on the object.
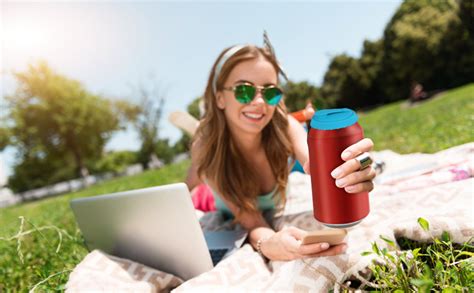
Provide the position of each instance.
(412, 186)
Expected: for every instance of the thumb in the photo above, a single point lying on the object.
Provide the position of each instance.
(297, 233)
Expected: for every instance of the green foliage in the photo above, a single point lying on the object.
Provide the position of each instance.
(183, 144)
(4, 137)
(426, 42)
(430, 126)
(164, 150)
(424, 224)
(115, 162)
(354, 83)
(56, 121)
(336, 77)
(439, 266)
(31, 257)
(297, 94)
(342, 82)
(37, 171)
(147, 123)
(193, 108)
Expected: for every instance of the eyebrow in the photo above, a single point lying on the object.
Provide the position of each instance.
(246, 81)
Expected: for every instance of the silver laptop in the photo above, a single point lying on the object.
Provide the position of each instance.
(154, 226)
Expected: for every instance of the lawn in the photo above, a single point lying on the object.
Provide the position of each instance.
(39, 248)
(430, 126)
(426, 127)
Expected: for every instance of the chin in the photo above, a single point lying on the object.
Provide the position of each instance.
(254, 128)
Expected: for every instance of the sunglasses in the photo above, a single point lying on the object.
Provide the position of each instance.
(245, 93)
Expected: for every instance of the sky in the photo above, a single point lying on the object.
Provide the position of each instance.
(113, 46)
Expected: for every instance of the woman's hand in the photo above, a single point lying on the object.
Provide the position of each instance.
(348, 175)
(286, 245)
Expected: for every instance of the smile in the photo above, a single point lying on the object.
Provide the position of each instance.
(253, 116)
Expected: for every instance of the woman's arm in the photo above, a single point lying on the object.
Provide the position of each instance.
(298, 138)
(284, 244)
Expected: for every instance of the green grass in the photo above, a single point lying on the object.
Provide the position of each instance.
(439, 265)
(427, 127)
(39, 248)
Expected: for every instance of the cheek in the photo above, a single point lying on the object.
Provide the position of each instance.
(231, 109)
(271, 112)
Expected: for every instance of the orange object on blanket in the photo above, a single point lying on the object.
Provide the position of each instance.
(304, 114)
(203, 199)
(299, 115)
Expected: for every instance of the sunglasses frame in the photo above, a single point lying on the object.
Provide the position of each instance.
(258, 88)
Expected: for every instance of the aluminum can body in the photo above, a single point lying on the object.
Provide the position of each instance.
(333, 206)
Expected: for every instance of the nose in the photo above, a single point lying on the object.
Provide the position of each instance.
(258, 99)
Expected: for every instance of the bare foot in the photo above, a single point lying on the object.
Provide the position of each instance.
(309, 111)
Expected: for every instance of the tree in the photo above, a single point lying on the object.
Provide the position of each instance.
(340, 79)
(193, 108)
(35, 171)
(427, 42)
(370, 63)
(297, 95)
(147, 122)
(455, 51)
(164, 150)
(183, 145)
(115, 161)
(56, 123)
(413, 47)
(4, 138)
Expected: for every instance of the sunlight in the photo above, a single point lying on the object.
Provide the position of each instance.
(24, 37)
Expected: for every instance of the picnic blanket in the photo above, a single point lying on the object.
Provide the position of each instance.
(434, 193)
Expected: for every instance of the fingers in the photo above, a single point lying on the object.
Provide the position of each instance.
(360, 187)
(298, 234)
(311, 249)
(345, 169)
(295, 250)
(363, 145)
(353, 178)
(333, 250)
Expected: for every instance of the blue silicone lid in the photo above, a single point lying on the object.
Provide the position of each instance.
(331, 119)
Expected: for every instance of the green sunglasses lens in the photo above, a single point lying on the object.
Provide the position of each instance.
(244, 93)
(272, 95)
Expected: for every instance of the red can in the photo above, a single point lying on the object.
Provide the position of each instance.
(332, 131)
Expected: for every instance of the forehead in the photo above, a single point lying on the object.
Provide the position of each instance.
(259, 71)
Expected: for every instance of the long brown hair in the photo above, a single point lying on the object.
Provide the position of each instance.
(220, 160)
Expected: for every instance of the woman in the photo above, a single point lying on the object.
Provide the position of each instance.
(244, 142)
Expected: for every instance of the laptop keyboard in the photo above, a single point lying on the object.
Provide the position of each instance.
(217, 255)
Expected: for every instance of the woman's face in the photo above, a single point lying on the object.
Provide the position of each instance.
(252, 117)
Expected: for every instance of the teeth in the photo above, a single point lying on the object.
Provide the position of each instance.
(253, 116)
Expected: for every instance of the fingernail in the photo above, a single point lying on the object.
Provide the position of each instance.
(340, 182)
(324, 245)
(336, 172)
(346, 155)
(344, 248)
(349, 188)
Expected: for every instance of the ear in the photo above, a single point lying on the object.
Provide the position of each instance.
(220, 100)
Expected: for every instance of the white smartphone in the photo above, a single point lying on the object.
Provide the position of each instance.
(331, 236)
